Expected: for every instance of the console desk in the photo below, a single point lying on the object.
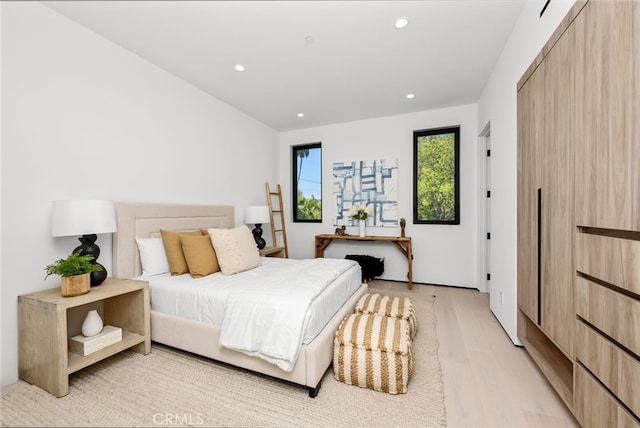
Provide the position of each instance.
(403, 244)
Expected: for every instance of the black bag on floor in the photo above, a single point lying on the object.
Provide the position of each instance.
(370, 266)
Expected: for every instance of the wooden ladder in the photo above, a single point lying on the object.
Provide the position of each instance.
(279, 211)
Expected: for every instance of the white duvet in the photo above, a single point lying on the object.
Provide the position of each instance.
(267, 319)
(291, 301)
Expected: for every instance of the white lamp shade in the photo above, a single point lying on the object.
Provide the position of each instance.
(82, 217)
(256, 215)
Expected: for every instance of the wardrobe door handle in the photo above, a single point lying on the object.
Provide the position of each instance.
(539, 268)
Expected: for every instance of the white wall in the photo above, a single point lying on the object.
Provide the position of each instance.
(443, 254)
(84, 118)
(497, 105)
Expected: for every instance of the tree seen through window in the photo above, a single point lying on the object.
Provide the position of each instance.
(436, 193)
(307, 183)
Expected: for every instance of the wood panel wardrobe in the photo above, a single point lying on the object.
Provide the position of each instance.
(579, 212)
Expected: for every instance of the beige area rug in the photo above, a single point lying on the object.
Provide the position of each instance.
(173, 388)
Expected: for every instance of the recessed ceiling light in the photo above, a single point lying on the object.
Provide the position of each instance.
(309, 40)
(410, 96)
(239, 67)
(401, 22)
(300, 114)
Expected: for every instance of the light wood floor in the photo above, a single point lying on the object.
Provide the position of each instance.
(488, 381)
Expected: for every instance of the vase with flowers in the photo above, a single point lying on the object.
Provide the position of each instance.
(361, 212)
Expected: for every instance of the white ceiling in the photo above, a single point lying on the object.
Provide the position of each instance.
(359, 65)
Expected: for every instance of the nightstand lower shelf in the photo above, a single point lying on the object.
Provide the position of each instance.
(78, 362)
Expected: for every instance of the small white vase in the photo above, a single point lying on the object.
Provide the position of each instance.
(363, 228)
(92, 324)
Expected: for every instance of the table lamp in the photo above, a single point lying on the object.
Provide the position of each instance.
(257, 215)
(87, 218)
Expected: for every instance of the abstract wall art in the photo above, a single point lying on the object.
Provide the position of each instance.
(372, 182)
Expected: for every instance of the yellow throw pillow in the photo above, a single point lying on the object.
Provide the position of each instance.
(173, 248)
(200, 255)
(235, 248)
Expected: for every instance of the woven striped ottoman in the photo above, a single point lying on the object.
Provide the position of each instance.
(372, 351)
(389, 306)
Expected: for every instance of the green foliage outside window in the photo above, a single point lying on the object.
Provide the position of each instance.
(436, 176)
(309, 209)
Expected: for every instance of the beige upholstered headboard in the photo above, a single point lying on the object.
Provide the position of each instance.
(144, 220)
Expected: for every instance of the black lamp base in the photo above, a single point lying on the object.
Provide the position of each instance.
(88, 246)
(257, 236)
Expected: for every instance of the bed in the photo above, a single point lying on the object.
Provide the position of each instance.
(143, 220)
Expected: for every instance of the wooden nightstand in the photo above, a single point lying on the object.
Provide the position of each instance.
(272, 252)
(43, 330)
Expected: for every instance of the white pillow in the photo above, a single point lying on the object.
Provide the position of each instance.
(153, 258)
(235, 248)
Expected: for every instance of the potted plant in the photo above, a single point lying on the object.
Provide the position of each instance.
(75, 272)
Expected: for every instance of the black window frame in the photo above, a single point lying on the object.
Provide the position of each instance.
(294, 178)
(429, 132)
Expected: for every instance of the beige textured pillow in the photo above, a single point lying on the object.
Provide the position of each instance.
(200, 255)
(173, 248)
(235, 248)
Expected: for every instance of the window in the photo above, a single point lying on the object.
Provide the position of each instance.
(436, 175)
(307, 183)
